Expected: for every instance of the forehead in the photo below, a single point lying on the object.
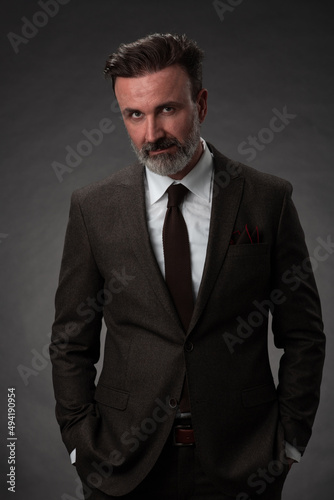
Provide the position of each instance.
(168, 84)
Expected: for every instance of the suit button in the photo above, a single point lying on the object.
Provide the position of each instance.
(173, 403)
(189, 346)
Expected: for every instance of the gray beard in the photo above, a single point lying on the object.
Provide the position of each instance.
(170, 163)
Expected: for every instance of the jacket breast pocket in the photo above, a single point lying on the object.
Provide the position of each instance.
(109, 396)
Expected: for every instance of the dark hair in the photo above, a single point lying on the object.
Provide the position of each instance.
(154, 53)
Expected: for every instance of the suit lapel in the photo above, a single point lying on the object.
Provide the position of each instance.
(227, 192)
(133, 212)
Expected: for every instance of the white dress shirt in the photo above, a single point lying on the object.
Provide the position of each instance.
(196, 210)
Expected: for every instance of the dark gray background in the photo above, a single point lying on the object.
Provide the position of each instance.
(263, 55)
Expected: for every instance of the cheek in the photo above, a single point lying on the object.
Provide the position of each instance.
(180, 128)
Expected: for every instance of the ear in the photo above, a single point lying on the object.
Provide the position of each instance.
(202, 104)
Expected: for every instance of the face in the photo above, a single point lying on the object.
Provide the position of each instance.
(162, 120)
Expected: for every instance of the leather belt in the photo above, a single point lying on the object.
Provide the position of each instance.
(183, 435)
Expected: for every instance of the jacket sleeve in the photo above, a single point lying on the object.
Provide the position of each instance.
(75, 341)
(297, 327)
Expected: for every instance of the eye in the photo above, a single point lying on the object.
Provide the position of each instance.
(136, 114)
(167, 109)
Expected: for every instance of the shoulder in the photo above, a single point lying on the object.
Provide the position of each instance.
(109, 187)
(264, 183)
(254, 180)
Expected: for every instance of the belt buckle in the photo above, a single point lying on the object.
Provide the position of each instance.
(181, 426)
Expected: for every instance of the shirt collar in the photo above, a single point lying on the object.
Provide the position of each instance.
(198, 181)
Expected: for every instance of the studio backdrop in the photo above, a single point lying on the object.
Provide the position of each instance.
(269, 72)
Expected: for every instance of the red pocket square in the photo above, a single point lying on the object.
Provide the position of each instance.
(239, 238)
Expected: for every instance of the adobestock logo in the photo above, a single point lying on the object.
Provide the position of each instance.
(222, 7)
(30, 28)
(278, 122)
(84, 148)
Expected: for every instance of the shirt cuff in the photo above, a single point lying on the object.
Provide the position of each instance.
(292, 452)
(73, 456)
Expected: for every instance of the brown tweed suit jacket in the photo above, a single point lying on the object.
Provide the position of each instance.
(120, 423)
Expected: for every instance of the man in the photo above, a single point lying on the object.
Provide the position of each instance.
(184, 277)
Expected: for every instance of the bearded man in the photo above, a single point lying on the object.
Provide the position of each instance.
(183, 255)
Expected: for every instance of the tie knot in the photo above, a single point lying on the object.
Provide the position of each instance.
(176, 193)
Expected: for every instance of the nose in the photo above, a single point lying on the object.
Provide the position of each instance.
(153, 130)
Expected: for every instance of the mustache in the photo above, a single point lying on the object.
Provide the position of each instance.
(163, 143)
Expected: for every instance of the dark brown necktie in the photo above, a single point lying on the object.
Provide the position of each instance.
(177, 255)
(178, 266)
